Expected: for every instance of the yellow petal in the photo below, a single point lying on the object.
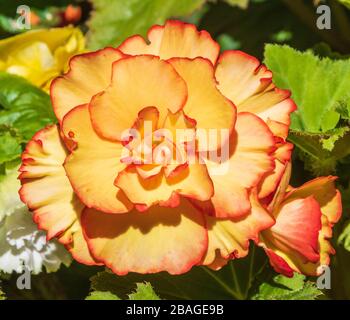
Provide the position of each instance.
(40, 55)
(174, 39)
(324, 191)
(89, 74)
(191, 181)
(47, 192)
(205, 104)
(249, 86)
(161, 239)
(77, 245)
(229, 238)
(94, 164)
(271, 181)
(137, 82)
(251, 145)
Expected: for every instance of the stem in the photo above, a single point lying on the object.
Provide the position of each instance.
(233, 293)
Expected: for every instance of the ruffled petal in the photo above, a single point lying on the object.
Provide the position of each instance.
(325, 193)
(248, 84)
(219, 113)
(77, 245)
(46, 189)
(94, 164)
(299, 241)
(229, 238)
(250, 159)
(174, 39)
(192, 181)
(272, 179)
(89, 74)
(296, 230)
(137, 82)
(160, 239)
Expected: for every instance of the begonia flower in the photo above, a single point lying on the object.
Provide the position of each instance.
(299, 241)
(118, 185)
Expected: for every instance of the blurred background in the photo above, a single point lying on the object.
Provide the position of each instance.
(235, 24)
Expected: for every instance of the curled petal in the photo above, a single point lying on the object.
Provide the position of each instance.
(272, 179)
(219, 113)
(137, 82)
(296, 230)
(249, 160)
(325, 193)
(94, 164)
(89, 74)
(174, 39)
(229, 238)
(300, 237)
(160, 239)
(249, 86)
(47, 192)
(191, 181)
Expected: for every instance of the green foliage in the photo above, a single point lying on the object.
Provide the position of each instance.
(114, 20)
(345, 3)
(2, 295)
(234, 281)
(10, 144)
(321, 152)
(344, 237)
(24, 109)
(320, 88)
(101, 295)
(264, 21)
(143, 291)
(317, 85)
(247, 278)
(282, 288)
(239, 3)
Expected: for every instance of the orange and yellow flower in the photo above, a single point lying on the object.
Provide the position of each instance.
(119, 199)
(300, 239)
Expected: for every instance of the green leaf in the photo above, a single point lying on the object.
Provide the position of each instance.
(24, 107)
(144, 291)
(227, 42)
(10, 144)
(321, 152)
(9, 186)
(233, 281)
(345, 3)
(280, 287)
(343, 108)
(344, 237)
(317, 85)
(112, 21)
(243, 4)
(101, 295)
(2, 295)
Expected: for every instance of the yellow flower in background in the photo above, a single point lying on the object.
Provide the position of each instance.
(40, 55)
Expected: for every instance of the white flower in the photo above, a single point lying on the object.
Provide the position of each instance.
(21, 243)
